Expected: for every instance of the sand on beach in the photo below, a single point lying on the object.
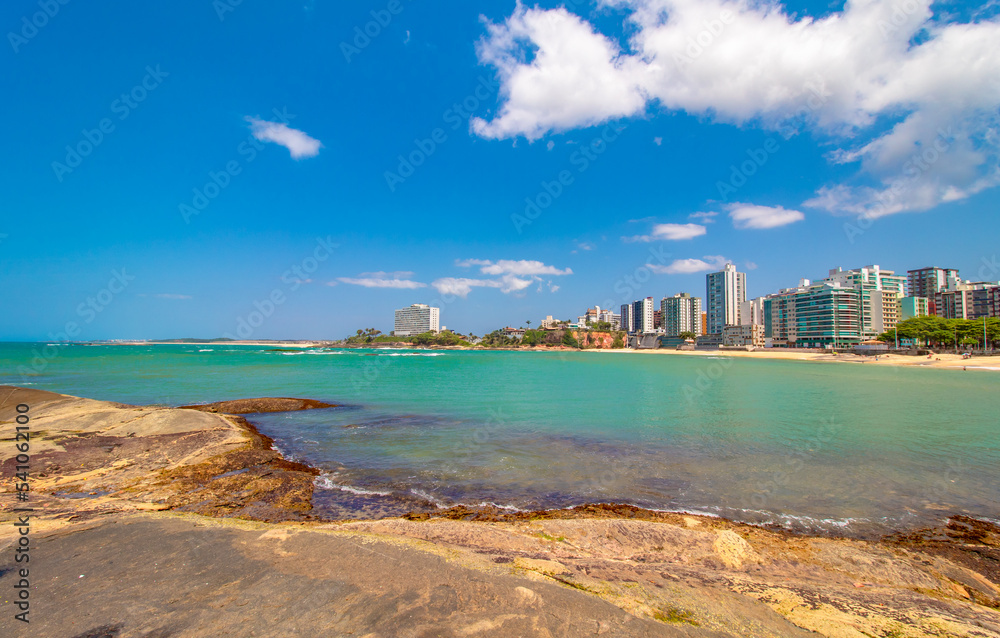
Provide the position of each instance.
(941, 361)
(163, 521)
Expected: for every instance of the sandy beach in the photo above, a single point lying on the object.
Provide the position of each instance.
(180, 522)
(938, 361)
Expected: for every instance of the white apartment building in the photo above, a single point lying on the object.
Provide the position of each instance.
(752, 312)
(644, 315)
(417, 319)
(724, 292)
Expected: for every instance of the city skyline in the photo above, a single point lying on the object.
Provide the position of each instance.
(379, 158)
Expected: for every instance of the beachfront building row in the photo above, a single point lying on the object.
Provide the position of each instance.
(813, 315)
(949, 297)
(928, 282)
(637, 317)
(417, 319)
(969, 301)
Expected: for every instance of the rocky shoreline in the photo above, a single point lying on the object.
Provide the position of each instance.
(177, 493)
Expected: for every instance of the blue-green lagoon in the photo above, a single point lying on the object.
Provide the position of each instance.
(824, 447)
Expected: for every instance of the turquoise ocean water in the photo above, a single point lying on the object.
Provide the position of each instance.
(811, 446)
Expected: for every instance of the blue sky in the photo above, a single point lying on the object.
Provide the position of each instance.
(810, 113)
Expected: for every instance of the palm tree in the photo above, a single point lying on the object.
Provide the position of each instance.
(529, 323)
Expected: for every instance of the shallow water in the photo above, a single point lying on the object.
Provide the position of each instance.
(811, 446)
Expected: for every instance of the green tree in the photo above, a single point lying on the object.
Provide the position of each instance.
(687, 334)
(569, 340)
(533, 337)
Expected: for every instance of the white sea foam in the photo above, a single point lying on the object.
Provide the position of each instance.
(438, 503)
(207, 350)
(411, 354)
(325, 483)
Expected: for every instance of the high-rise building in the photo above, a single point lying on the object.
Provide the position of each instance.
(911, 307)
(417, 319)
(642, 316)
(752, 312)
(880, 292)
(681, 313)
(628, 318)
(993, 302)
(724, 292)
(928, 282)
(821, 315)
(969, 301)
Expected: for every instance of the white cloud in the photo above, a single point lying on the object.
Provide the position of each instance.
(377, 282)
(551, 145)
(752, 216)
(658, 141)
(670, 232)
(511, 283)
(461, 287)
(381, 274)
(751, 265)
(575, 79)
(298, 143)
(510, 276)
(706, 217)
(846, 74)
(689, 266)
(508, 266)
